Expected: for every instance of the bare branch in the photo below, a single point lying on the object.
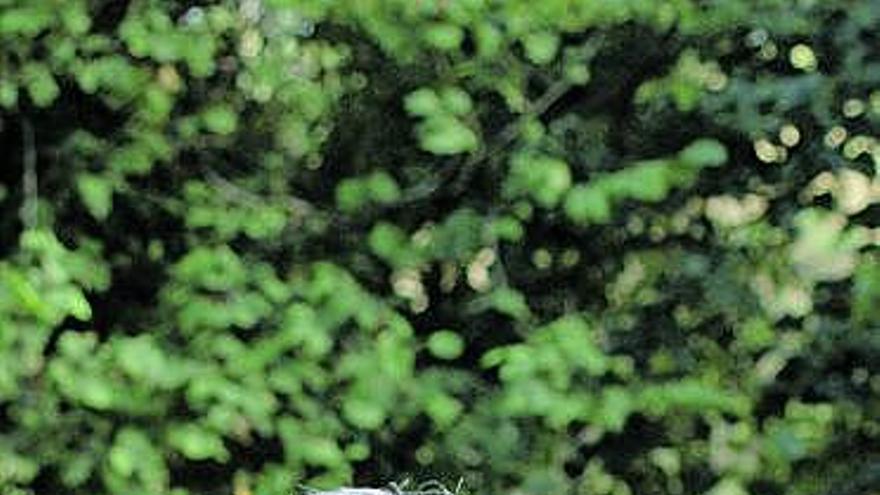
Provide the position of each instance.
(296, 206)
(29, 179)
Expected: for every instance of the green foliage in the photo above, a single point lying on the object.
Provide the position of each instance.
(445, 344)
(597, 247)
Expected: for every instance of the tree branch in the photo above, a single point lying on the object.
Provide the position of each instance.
(29, 179)
(296, 206)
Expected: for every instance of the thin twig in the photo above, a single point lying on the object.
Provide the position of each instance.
(29, 179)
(296, 206)
(231, 191)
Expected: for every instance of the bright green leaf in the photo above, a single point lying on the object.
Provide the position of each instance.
(445, 344)
(704, 153)
(443, 36)
(220, 119)
(446, 136)
(541, 47)
(96, 192)
(587, 204)
(423, 101)
(197, 443)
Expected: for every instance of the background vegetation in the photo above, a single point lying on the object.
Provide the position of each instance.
(552, 246)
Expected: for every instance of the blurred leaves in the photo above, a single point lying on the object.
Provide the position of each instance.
(599, 247)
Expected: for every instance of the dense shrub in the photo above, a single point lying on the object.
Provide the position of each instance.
(551, 246)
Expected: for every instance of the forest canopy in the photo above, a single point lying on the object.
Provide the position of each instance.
(551, 247)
